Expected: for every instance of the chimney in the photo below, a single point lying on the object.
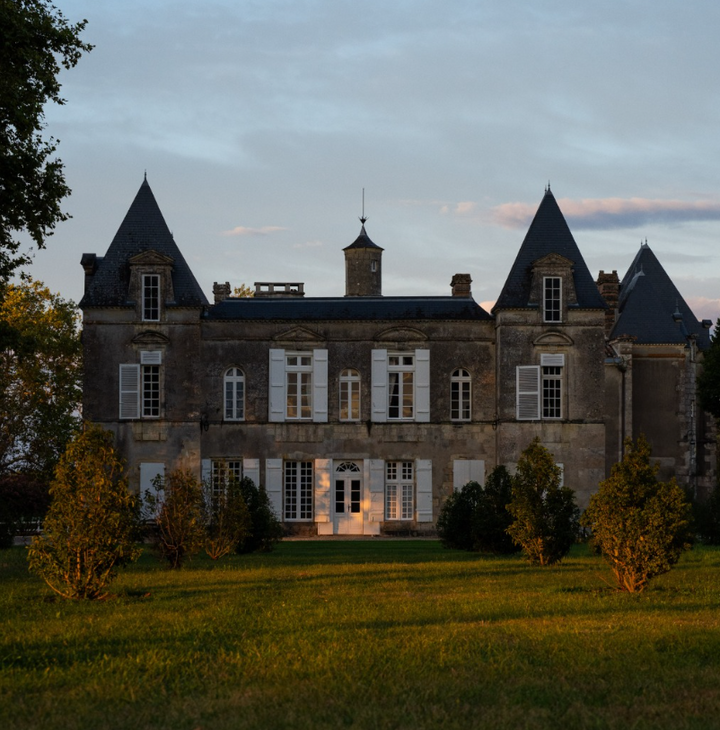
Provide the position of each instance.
(609, 287)
(221, 291)
(461, 285)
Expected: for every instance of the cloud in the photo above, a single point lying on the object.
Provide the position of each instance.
(487, 306)
(245, 231)
(609, 213)
(704, 307)
(463, 208)
(308, 244)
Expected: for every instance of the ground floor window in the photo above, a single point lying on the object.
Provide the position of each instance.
(223, 472)
(298, 490)
(399, 488)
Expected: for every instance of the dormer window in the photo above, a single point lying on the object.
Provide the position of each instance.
(151, 297)
(552, 299)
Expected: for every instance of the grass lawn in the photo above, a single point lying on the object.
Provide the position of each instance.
(391, 634)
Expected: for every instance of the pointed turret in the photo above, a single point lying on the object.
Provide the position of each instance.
(363, 266)
(143, 230)
(651, 309)
(548, 236)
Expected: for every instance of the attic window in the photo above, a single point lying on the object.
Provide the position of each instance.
(552, 299)
(151, 297)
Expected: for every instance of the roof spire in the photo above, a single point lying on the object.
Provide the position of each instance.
(363, 218)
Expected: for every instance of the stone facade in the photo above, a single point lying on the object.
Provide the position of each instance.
(360, 414)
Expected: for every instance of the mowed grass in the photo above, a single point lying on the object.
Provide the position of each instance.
(357, 634)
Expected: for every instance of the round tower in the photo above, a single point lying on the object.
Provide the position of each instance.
(363, 267)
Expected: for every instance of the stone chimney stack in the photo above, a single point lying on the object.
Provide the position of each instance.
(609, 287)
(221, 291)
(461, 285)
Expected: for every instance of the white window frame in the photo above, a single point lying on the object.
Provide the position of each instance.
(532, 382)
(461, 395)
(552, 299)
(400, 365)
(151, 297)
(298, 488)
(151, 389)
(234, 394)
(281, 374)
(221, 471)
(399, 490)
(349, 395)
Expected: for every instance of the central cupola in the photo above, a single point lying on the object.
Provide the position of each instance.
(363, 266)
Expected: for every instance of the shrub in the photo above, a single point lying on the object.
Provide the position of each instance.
(266, 529)
(179, 516)
(476, 518)
(228, 520)
(640, 525)
(24, 501)
(90, 525)
(545, 516)
(706, 518)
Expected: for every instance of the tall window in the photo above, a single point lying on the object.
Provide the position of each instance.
(151, 297)
(460, 395)
(552, 298)
(151, 391)
(223, 472)
(399, 486)
(349, 395)
(551, 392)
(298, 480)
(234, 395)
(401, 386)
(298, 375)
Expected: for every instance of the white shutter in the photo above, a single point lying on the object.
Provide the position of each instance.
(277, 386)
(148, 474)
(320, 386)
(273, 484)
(323, 471)
(375, 470)
(423, 481)
(129, 391)
(151, 357)
(467, 470)
(379, 386)
(422, 386)
(206, 471)
(528, 392)
(251, 470)
(477, 471)
(552, 360)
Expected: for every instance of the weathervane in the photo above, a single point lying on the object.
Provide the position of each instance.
(363, 218)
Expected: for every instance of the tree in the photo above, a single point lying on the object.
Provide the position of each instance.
(476, 517)
(179, 516)
(266, 528)
(708, 382)
(90, 527)
(229, 522)
(545, 516)
(640, 525)
(243, 291)
(36, 41)
(40, 378)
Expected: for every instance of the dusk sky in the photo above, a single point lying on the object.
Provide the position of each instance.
(260, 122)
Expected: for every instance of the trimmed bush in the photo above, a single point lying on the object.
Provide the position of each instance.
(640, 525)
(266, 529)
(229, 522)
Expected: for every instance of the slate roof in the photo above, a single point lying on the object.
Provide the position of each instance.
(363, 240)
(548, 233)
(347, 308)
(143, 229)
(648, 300)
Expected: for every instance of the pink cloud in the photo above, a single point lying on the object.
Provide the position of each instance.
(463, 208)
(607, 213)
(245, 231)
(704, 308)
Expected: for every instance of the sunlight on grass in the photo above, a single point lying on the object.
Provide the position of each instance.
(364, 635)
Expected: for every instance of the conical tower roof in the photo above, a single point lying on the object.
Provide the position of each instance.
(363, 240)
(651, 309)
(143, 229)
(548, 233)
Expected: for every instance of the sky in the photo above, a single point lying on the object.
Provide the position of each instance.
(260, 122)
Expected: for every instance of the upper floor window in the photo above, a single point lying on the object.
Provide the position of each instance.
(234, 383)
(539, 389)
(298, 385)
(298, 381)
(460, 395)
(349, 395)
(401, 386)
(140, 386)
(151, 297)
(552, 299)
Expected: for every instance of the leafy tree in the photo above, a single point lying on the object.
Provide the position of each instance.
(90, 527)
(179, 516)
(545, 516)
(244, 291)
(40, 378)
(640, 525)
(476, 518)
(229, 522)
(708, 382)
(266, 528)
(36, 41)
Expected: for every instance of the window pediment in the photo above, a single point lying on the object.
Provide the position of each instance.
(553, 261)
(149, 337)
(401, 334)
(554, 339)
(151, 258)
(298, 334)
